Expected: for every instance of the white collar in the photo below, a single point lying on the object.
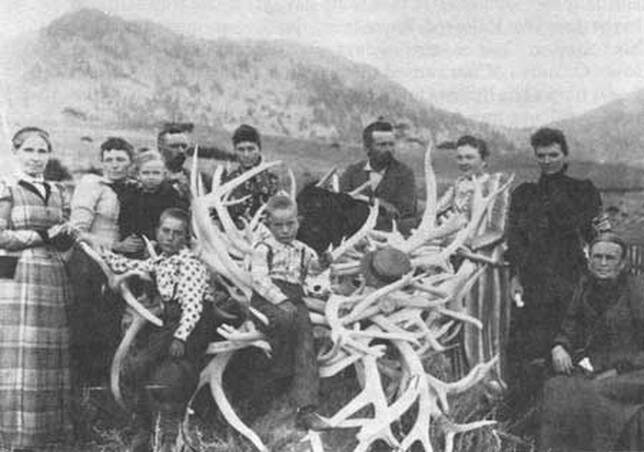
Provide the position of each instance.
(369, 169)
(31, 179)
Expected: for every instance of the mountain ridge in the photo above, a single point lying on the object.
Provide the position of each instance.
(107, 69)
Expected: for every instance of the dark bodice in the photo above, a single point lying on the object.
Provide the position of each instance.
(548, 224)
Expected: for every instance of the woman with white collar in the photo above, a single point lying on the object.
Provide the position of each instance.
(35, 294)
(471, 157)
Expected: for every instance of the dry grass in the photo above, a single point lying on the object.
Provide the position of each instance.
(273, 419)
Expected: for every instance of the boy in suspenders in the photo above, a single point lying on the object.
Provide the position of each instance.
(279, 264)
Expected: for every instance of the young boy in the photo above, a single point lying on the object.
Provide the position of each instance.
(140, 210)
(168, 357)
(279, 264)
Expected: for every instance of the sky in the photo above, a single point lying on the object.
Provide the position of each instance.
(508, 62)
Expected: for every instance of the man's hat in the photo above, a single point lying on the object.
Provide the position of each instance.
(384, 266)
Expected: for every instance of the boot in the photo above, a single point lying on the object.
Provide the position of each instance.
(141, 442)
(169, 426)
(142, 425)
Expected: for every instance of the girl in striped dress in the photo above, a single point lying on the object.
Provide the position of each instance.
(34, 296)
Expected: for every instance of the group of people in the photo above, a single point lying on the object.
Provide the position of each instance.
(576, 318)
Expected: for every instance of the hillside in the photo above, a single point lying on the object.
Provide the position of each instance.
(613, 132)
(92, 67)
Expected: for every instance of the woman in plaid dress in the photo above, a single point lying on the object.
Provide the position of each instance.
(34, 296)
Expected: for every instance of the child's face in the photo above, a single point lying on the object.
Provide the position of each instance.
(283, 224)
(151, 174)
(172, 235)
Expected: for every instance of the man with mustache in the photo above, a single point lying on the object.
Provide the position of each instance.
(389, 180)
(173, 142)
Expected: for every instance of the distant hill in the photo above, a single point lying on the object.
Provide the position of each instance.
(89, 66)
(613, 132)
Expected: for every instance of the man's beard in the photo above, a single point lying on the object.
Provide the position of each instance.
(175, 163)
(380, 161)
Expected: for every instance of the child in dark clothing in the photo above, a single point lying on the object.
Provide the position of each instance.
(279, 264)
(141, 209)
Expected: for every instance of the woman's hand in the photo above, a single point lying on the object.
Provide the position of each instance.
(177, 348)
(561, 361)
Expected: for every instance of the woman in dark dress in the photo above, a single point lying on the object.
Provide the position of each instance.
(549, 223)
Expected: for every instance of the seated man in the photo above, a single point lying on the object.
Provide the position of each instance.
(279, 265)
(385, 178)
(167, 358)
(595, 403)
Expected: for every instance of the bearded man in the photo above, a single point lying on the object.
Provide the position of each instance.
(385, 178)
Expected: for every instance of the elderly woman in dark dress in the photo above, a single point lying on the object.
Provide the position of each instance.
(549, 222)
(35, 295)
(596, 401)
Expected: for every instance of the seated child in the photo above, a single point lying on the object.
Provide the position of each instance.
(168, 357)
(141, 208)
(279, 264)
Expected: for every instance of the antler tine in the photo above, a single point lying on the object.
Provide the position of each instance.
(367, 226)
(293, 185)
(232, 184)
(194, 185)
(327, 176)
(125, 291)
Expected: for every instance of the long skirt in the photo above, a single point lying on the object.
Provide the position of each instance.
(578, 413)
(34, 358)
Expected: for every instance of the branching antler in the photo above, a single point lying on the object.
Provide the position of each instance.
(384, 333)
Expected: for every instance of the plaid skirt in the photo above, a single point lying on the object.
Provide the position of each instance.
(34, 358)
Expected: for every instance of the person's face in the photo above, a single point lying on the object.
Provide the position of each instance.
(606, 260)
(551, 159)
(173, 145)
(382, 149)
(248, 154)
(469, 160)
(151, 174)
(172, 235)
(33, 155)
(283, 223)
(115, 164)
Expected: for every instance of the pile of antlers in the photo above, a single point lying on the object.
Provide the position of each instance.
(385, 333)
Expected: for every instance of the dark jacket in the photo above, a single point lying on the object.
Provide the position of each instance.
(580, 412)
(140, 209)
(548, 224)
(609, 328)
(397, 187)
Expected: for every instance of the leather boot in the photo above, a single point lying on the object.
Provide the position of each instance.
(141, 441)
(169, 426)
